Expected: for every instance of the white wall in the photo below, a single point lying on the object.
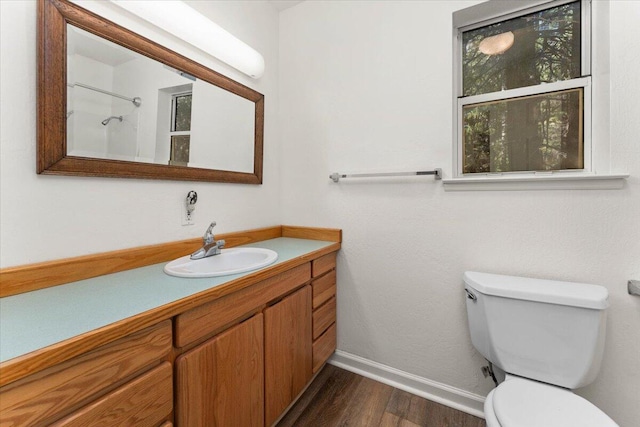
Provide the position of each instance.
(86, 136)
(367, 86)
(142, 77)
(48, 217)
(222, 129)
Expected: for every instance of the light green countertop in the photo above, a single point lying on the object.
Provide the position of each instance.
(37, 319)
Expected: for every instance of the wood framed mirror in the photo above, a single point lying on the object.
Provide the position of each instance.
(57, 146)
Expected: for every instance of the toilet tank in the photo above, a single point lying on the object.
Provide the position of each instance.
(545, 330)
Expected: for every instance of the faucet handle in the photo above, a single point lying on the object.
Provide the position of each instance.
(208, 235)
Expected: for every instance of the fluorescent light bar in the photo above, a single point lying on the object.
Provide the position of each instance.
(186, 23)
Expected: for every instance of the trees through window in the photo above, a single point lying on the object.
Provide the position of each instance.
(180, 129)
(522, 94)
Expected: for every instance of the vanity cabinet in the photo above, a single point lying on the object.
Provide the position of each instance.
(324, 309)
(211, 318)
(288, 355)
(221, 382)
(235, 355)
(250, 373)
(144, 402)
(128, 379)
(246, 374)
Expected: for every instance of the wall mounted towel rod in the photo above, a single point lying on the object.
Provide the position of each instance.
(633, 286)
(136, 101)
(437, 174)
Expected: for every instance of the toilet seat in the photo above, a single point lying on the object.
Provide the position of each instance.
(519, 402)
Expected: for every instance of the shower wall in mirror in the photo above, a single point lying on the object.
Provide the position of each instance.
(124, 106)
(132, 108)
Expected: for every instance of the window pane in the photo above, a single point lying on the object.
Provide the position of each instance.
(182, 119)
(540, 47)
(533, 133)
(180, 150)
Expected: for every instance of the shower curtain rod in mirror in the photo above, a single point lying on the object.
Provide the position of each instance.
(137, 101)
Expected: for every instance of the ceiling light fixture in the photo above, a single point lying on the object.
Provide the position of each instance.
(186, 23)
(496, 45)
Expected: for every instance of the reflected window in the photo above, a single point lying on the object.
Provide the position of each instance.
(180, 129)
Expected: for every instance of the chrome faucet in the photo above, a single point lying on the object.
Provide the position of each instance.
(210, 246)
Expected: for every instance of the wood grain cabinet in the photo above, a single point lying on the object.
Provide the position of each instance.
(144, 402)
(102, 379)
(287, 351)
(324, 309)
(237, 360)
(250, 373)
(221, 382)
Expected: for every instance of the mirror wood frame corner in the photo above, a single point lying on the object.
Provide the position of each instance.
(52, 158)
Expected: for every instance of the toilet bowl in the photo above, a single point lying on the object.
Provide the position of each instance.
(520, 402)
(548, 337)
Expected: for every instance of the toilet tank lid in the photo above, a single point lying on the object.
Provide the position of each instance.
(539, 290)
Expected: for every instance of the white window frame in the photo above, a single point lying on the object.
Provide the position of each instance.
(172, 131)
(596, 100)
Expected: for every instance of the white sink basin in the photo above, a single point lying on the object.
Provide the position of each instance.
(230, 261)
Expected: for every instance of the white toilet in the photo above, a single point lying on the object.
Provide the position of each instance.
(548, 337)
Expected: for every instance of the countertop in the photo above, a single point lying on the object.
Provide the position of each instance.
(35, 320)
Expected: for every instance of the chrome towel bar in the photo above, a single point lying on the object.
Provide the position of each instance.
(437, 174)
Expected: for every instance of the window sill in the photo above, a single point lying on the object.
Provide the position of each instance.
(529, 182)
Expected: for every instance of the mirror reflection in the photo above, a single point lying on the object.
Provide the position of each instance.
(125, 106)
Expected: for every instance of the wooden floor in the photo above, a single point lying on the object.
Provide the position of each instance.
(341, 398)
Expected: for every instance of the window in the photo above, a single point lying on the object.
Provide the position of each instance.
(180, 129)
(523, 88)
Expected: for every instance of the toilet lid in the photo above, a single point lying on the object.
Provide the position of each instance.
(526, 403)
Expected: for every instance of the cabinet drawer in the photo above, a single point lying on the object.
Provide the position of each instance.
(54, 392)
(323, 264)
(324, 347)
(323, 317)
(145, 401)
(323, 289)
(213, 317)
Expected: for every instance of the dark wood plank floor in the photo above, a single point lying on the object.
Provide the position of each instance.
(341, 398)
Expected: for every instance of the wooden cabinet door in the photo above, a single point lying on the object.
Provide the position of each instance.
(288, 346)
(143, 402)
(221, 382)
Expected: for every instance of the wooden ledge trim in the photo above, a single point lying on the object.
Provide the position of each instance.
(38, 360)
(326, 234)
(31, 277)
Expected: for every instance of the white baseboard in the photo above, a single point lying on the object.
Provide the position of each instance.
(431, 390)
